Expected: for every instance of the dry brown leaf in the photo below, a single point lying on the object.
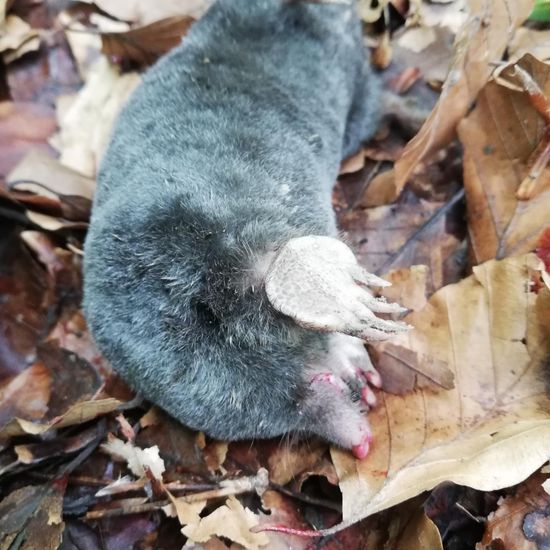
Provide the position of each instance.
(529, 41)
(144, 12)
(417, 39)
(51, 223)
(23, 126)
(14, 35)
(145, 44)
(481, 41)
(33, 514)
(43, 175)
(85, 45)
(451, 14)
(76, 414)
(188, 513)
(232, 521)
(287, 461)
(138, 460)
(515, 520)
(420, 533)
(26, 395)
(398, 236)
(409, 286)
(85, 128)
(499, 137)
(493, 429)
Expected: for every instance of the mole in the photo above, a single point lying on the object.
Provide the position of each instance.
(215, 281)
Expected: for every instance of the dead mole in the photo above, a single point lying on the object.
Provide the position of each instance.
(215, 283)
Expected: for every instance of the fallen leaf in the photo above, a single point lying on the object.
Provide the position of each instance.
(417, 39)
(26, 395)
(499, 137)
(288, 461)
(34, 453)
(33, 514)
(493, 429)
(43, 175)
(518, 517)
(399, 236)
(146, 44)
(529, 41)
(76, 414)
(420, 533)
(85, 128)
(138, 460)
(144, 11)
(409, 286)
(232, 521)
(16, 38)
(481, 41)
(23, 126)
(188, 513)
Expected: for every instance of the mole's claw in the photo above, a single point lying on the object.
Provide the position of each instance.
(316, 281)
(362, 276)
(380, 305)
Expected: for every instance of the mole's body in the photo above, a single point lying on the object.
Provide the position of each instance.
(208, 283)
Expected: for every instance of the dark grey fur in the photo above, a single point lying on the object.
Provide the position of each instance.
(228, 149)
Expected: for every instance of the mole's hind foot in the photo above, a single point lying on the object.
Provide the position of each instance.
(317, 281)
(348, 361)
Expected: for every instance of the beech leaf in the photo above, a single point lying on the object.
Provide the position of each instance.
(493, 429)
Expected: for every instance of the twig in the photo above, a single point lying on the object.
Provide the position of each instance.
(536, 96)
(306, 498)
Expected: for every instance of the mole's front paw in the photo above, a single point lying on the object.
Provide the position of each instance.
(317, 281)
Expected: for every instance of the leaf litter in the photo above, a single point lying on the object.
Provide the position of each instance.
(465, 397)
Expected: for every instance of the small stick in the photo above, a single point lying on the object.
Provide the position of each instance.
(536, 96)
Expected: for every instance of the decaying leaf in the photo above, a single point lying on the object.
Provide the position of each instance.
(481, 41)
(493, 429)
(16, 38)
(33, 514)
(144, 12)
(499, 137)
(76, 414)
(409, 286)
(26, 395)
(23, 126)
(529, 41)
(521, 520)
(86, 125)
(145, 44)
(41, 174)
(398, 236)
(139, 460)
(232, 521)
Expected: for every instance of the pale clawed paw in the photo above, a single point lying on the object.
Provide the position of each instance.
(317, 281)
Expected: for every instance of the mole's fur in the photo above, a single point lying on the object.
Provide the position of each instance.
(227, 150)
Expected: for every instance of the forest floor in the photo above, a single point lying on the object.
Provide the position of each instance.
(450, 201)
